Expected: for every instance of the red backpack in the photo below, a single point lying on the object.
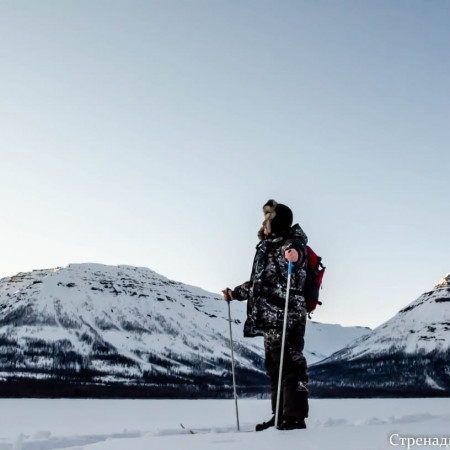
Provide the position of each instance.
(313, 282)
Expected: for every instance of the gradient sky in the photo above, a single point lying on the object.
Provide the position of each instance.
(150, 133)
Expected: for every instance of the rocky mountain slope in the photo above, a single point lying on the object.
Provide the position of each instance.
(91, 329)
(408, 355)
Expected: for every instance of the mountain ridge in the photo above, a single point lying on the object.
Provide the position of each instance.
(407, 355)
(91, 325)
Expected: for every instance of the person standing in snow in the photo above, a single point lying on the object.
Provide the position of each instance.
(280, 242)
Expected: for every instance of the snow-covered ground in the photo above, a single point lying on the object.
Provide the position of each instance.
(35, 424)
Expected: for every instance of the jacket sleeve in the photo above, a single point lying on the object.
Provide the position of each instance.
(241, 292)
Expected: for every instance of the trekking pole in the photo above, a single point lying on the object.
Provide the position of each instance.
(232, 367)
(283, 340)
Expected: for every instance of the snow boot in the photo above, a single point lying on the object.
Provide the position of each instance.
(292, 423)
(268, 424)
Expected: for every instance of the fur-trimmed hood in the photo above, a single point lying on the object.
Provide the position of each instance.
(269, 215)
(277, 217)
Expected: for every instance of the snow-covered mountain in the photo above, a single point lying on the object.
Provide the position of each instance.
(406, 355)
(92, 329)
(324, 339)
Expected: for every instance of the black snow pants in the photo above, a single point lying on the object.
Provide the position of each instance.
(294, 386)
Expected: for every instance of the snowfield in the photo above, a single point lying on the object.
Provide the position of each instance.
(36, 424)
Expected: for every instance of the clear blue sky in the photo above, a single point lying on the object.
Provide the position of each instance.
(151, 133)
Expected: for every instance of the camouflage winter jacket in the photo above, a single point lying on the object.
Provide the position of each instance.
(266, 290)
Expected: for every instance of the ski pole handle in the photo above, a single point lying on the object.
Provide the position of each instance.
(230, 294)
(227, 294)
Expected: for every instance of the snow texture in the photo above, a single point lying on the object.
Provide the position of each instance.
(155, 424)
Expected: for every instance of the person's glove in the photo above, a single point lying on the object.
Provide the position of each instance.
(227, 294)
(291, 255)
